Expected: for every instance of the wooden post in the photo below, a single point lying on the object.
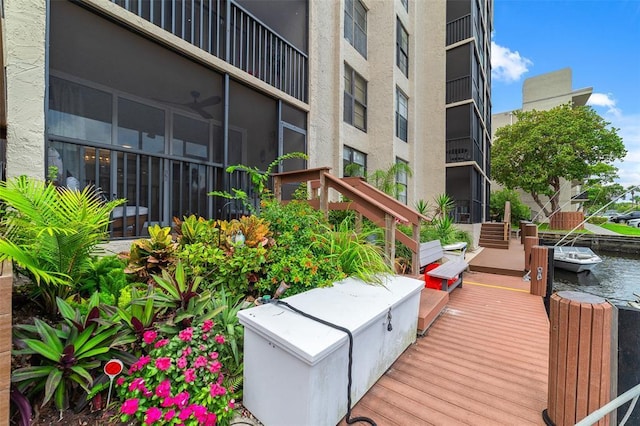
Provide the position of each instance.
(324, 195)
(531, 230)
(277, 188)
(529, 242)
(580, 357)
(6, 286)
(523, 224)
(415, 254)
(539, 269)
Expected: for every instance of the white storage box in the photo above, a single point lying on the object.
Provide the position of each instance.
(295, 369)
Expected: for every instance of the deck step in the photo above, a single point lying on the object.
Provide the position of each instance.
(432, 303)
(504, 245)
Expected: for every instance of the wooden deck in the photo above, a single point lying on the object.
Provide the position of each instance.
(498, 261)
(483, 362)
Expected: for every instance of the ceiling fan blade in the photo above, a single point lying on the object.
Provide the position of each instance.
(200, 111)
(212, 100)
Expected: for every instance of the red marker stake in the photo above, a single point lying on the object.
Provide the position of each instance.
(112, 368)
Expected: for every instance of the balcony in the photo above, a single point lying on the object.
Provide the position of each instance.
(459, 29)
(458, 89)
(458, 150)
(250, 45)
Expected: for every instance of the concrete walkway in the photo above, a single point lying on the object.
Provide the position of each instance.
(598, 229)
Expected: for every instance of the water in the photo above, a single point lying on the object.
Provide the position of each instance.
(617, 278)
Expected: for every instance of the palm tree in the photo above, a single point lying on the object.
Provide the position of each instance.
(387, 180)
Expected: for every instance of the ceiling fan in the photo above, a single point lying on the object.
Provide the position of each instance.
(198, 105)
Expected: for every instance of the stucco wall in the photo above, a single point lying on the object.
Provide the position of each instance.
(25, 42)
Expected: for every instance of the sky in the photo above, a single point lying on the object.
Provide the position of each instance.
(598, 39)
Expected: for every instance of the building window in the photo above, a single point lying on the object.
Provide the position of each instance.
(402, 115)
(355, 25)
(402, 180)
(355, 99)
(402, 48)
(405, 3)
(354, 162)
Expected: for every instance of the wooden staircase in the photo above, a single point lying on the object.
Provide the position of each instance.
(494, 235)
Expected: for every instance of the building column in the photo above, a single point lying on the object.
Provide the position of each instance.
(25, 58)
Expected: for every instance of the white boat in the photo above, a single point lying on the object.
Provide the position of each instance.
(575, 259)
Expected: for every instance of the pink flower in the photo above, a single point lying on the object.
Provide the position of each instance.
(168, 402)
(199, 412)
(149, 336)
(201, 361)
(211, 419)
(120, 381)
(163, 363)
(182, 362)
(129, 407)
(186, 351)
(186, 334)
(181, 399)
(185, 414)
(219, 338)
(207, 325)
(144, 360)
(169, 415)
(160, 343)
(164, 389)
(232, 404)
(217, 390)
(213, 355)
(152, 415)
(215, 366)
(137, 383)
(189, 375)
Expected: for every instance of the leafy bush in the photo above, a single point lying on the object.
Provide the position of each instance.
(51, 233)
(597, 220)
(181, 380)
(106, 276)
(66, 358)
(151, 255)
(300, 258)
(519, 211)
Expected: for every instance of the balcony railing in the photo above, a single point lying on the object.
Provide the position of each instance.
(458, 89)
(459, 30)
(251, 45)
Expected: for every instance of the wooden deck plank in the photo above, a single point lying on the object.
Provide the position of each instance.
(483, 362)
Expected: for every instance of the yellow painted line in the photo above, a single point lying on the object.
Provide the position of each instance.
(495, 286)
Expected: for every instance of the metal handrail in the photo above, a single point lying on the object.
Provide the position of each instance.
(631, 395)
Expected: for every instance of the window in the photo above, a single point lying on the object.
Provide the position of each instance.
(402, 115)
(405, 3)
(355, 25)
(401, 180)
(355, 99)
(354, 162)
(402, 48)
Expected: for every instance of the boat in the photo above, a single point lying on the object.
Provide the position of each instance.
(575, 259)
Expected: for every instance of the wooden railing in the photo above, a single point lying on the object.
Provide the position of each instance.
(367, 201)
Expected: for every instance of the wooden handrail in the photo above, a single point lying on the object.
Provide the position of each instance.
(383, 210)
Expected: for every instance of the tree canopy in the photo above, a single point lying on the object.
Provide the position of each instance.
(543, 147)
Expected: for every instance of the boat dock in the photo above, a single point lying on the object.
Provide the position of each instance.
(484, 361)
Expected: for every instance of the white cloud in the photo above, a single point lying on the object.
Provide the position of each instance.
(605, 101)
(507, 66)
(629, 131)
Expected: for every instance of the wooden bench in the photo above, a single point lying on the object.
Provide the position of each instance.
(431, 252)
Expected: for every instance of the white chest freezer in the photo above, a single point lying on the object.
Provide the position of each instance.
(295, 369)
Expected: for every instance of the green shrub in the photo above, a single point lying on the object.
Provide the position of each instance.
(519, 211)
(597, 220)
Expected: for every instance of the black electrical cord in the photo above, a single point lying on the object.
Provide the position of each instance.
(348, 332)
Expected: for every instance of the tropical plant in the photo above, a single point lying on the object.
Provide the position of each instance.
(355, 254)
(542, 148)
(259, 180)
(226, 322)
(105, 276)
(65, 358)
(195, 229)
(51, 234)
(387, 180)
(443, 206)
(422, 207)
(151, 255)
(180, 381)
(140, 313)
(177, 290)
